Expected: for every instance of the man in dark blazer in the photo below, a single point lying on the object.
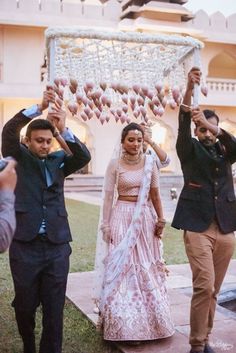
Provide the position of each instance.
(206, 209)
(39, 254)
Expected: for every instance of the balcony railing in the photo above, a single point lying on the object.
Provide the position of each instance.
(221, 85)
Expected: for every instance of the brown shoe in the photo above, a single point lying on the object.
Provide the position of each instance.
(193, 351)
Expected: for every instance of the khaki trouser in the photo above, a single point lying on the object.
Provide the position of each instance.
(209, 254)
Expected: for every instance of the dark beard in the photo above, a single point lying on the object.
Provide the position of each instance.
(207, 142)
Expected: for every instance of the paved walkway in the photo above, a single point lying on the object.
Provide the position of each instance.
(179, 284)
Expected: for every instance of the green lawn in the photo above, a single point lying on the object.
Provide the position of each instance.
(79, 334)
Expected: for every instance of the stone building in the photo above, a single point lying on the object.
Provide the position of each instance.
(23, 60)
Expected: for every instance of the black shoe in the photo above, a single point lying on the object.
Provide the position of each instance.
(26, 350)
(193, 351)
(208, 349)
(29, 348)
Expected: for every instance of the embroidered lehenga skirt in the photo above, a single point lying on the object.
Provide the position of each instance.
(138, 309)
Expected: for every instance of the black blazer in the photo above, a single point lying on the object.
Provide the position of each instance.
(208, 191)
(34, 200)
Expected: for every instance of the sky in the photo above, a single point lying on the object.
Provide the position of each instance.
(227, 7)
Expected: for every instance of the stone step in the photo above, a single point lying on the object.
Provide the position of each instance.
(80, 182)
(82, 188)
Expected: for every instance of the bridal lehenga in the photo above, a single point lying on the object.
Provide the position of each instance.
(133, 300)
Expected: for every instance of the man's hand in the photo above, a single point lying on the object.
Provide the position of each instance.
(194, 76)
(200, 120)
(48, 97)
(8, 176)
(198, 117)
(57, 118)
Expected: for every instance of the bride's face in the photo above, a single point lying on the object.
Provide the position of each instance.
(133, 142)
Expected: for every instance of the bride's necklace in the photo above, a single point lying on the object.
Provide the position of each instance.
(130, 161)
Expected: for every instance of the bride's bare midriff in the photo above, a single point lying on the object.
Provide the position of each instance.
(128, 198)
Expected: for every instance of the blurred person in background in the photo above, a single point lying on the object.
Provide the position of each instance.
(8, 180)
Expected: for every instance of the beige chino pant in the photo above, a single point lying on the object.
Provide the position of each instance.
(209, 254)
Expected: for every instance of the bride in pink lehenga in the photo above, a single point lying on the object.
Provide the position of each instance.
(130, 272)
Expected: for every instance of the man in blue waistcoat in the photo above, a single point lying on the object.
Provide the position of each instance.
(39, 254)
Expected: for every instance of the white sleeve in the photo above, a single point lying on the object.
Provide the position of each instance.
(162, 164)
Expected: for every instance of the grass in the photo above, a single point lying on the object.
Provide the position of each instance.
(80, 335)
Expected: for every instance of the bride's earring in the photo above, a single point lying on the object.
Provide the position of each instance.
(123, 152)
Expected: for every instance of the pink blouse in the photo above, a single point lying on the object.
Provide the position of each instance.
(129, 181)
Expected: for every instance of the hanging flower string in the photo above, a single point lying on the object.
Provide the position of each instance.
(118, 76)
(137, 102)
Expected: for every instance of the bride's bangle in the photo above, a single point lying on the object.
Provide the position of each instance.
(105, 227)
(161, 220)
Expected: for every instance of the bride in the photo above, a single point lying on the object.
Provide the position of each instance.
(130, 273)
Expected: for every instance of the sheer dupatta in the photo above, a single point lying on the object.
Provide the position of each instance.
(109, 197)
(117, 262)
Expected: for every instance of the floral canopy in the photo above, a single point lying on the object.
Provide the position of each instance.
(117, 74)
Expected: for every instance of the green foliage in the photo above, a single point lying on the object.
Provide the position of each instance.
(174, 252)
(83, 220)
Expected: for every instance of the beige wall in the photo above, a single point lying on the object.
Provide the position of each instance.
(23, 54)
(22, 48)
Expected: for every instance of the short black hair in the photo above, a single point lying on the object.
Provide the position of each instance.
(211, 114)
(39, 124)
(130, 127)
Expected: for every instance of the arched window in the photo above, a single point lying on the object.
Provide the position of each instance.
(223, 65)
